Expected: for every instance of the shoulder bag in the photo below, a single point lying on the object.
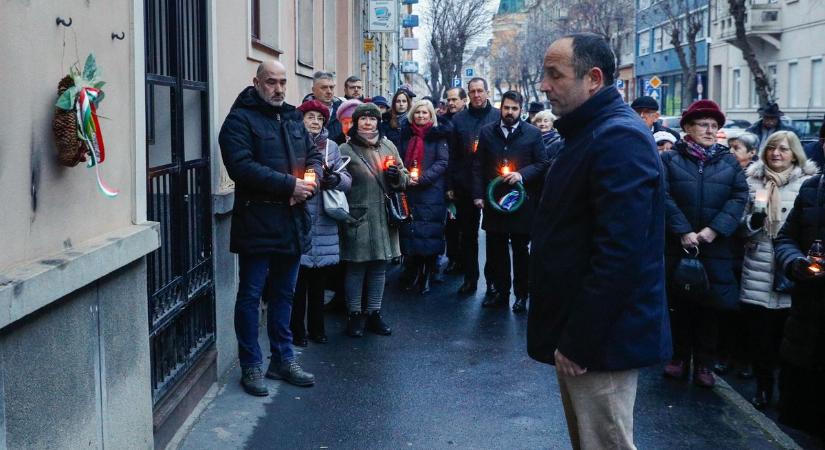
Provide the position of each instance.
(398, 209)
(336, 205)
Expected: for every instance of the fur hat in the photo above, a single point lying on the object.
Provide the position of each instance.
(347, 108)
(366, 110)
(700, 109)
(315, 105)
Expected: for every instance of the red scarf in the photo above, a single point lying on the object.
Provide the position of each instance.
(415, 149)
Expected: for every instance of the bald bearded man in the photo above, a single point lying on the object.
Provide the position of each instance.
(266, 151)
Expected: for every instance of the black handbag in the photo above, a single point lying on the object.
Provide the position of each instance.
(689, 278)
(396, 204)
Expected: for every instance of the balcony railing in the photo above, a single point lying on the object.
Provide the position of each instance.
(763, 19)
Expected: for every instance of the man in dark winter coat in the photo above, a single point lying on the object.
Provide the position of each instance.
(802, 391)
(597, 295)
(770, 122)
(266, 151)
(648, 109)
(466, 126)
(456, 102)
(323, 90)
(513, 149)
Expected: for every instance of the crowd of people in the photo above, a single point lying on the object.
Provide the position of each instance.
(747, 214)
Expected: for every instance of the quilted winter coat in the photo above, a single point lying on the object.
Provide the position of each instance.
(710, 194)
(325, 250)
(758, 266)
(424, 236)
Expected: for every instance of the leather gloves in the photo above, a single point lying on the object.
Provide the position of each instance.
(799, 270)
(330, 180)
(393, 174)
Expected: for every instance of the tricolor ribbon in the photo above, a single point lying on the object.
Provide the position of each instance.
(88, 128)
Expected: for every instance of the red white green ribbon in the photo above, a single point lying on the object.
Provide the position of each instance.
(88, 128)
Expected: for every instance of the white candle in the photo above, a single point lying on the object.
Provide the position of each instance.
(760, 201)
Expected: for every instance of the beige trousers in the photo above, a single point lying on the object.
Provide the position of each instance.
(599, 409)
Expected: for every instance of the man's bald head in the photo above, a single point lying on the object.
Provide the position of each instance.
(270, 66)
(270, 82)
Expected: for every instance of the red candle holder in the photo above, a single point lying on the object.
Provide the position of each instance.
(505, 168)
(389, 161)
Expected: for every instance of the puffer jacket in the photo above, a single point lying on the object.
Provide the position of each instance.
(424, 236)
(324, 232)
(265, 149)
(803, 340)
(758, 265)
(706, 194)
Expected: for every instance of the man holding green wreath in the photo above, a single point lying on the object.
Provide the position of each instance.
(508, 168)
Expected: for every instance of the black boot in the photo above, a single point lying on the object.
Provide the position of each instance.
(355, 323)
(377, 325)
(412, 273)
(764, 392)
(424, 277)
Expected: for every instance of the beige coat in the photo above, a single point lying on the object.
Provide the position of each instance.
(758, 265)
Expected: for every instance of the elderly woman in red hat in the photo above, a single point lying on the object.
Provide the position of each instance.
(316, 264)
(706, 193)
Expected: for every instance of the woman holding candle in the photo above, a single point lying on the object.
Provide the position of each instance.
(706, 193)
(424, 148)
(317, 261)
(367, 240)
(774, 181)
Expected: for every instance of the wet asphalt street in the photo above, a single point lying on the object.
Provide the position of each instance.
(452, 375)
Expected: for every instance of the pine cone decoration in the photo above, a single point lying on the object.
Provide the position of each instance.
(70, 149)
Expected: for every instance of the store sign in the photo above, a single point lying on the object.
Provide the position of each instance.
(369, 45)
(382, 15)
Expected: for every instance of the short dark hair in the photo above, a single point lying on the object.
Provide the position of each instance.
(351, 79)
(592, 50)
(462, 94)
(514, 96)
(476, 80)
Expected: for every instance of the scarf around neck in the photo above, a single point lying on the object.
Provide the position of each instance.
(370, 137)
(697, 151)
(320, 139)
(774, 181)
(415, 148)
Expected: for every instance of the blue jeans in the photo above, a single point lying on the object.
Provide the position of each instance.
(273, 275)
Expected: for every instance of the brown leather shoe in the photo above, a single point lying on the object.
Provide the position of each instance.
(703, 377)
(676, 368)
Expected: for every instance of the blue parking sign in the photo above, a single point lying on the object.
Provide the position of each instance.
(469, 72)
(456, 82)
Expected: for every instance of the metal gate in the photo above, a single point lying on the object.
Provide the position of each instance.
(180, 274)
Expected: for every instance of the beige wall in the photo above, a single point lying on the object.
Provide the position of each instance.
(237, 59)
(45, 205)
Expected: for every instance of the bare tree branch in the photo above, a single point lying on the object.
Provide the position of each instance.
(453, 25)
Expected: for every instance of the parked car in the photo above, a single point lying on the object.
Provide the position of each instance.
(732, 128)
(807, 129)
(672, 122)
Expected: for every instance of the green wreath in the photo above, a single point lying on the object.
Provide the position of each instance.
(505, 205)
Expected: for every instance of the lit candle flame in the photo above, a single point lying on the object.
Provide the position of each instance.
(309, 175)
(505, 170)
(390, 161)
(414, 172)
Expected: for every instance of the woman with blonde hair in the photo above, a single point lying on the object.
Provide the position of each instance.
(774, 182)
(425, 151)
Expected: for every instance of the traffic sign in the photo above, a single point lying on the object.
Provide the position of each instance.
(469, 72)
(655, 82)
(620, 84)
(456, 82)
(655, 94)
